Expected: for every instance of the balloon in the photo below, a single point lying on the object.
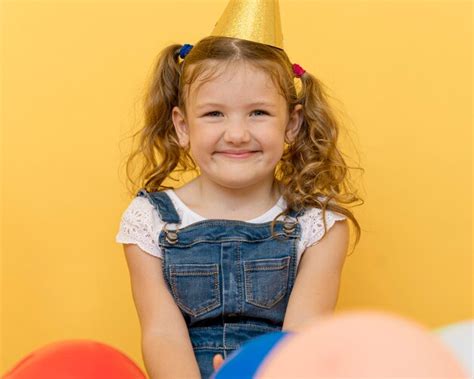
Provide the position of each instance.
(75, 359)
(368, 344)
(459, 337)
(247, 359)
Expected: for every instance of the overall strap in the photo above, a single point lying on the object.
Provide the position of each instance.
(163, 205)
(291, 221)
(293, 213)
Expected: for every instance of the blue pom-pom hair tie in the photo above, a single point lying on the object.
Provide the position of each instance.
(185, 49)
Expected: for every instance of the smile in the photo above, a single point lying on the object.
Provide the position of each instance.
(238, 155)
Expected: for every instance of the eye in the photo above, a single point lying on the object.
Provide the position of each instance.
(259, 112)
(213, 113)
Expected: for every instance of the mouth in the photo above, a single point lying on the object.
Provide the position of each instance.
(241, 154)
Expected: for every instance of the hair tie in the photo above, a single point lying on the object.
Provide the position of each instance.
(298, 70)
(185, 49)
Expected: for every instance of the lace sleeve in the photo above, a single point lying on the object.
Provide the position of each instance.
(140, 225)
(313, 227)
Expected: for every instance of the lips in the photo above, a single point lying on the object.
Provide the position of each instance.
(237, 151)
(237, 154)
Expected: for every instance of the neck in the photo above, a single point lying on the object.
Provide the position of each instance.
(240, 202)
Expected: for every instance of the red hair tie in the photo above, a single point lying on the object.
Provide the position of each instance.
(298, 70)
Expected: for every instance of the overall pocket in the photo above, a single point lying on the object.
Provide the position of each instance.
(195, 287)
(266, 281)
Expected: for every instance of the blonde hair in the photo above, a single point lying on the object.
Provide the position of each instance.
(311, 166)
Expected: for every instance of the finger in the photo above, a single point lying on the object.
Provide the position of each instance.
(214, 361)
(217, 361)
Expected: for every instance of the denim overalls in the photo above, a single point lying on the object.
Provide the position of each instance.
(231, 279)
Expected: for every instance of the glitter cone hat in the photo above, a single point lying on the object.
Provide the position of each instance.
(252, 20)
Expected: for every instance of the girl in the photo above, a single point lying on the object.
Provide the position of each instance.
(256, 242)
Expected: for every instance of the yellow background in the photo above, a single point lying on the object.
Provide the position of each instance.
(73, 73)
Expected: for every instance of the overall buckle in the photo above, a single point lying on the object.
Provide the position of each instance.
(171, 234)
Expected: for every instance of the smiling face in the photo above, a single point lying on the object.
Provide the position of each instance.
(235, 125)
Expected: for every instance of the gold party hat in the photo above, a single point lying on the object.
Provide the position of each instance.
(252, 20)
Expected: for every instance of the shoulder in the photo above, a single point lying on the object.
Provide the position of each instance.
(140, 224)
(141, 210)
(329, 252)
(312, 224)
(314, 213)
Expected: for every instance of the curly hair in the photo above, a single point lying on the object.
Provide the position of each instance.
(312, 169)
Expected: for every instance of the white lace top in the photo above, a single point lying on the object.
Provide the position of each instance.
(141, 223)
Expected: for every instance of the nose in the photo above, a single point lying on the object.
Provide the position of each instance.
(236, 132)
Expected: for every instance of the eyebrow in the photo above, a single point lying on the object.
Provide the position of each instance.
(257, 103)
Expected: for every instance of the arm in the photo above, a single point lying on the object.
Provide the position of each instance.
(316, 288)
(166, 346)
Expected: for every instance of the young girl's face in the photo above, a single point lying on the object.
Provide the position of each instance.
(236, 125)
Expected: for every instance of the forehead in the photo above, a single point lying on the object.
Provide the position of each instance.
(234, 82)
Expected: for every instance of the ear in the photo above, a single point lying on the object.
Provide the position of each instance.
(294, 123)
(181, 126)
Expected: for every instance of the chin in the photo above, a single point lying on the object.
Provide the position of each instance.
(235, 184)
(242, 181)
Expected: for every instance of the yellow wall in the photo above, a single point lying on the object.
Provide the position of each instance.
(73, 74)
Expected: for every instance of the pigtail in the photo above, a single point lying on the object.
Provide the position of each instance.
(313, 166)
(158, 141)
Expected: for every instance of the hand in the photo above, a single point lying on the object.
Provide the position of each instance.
(217, 361)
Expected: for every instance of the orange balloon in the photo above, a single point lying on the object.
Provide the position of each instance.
(363, 344)
(75, 359)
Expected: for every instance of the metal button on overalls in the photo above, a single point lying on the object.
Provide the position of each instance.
(231, 279)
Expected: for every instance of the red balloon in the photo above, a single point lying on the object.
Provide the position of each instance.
(75, 359)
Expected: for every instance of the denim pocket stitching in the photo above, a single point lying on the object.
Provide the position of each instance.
(215, 292)
(249, 266)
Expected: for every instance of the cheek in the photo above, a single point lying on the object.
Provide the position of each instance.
(202, 141)
(272, 139)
